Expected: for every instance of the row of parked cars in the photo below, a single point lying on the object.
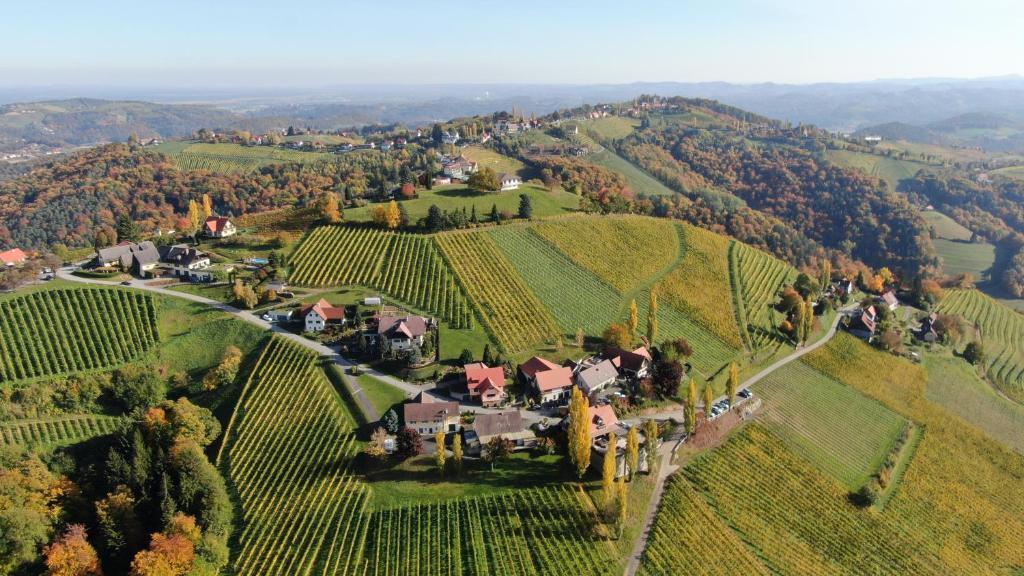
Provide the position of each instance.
(722, 406)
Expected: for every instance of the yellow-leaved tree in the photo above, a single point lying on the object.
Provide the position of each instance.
(579, 432)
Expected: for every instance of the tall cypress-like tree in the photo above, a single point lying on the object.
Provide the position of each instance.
(709, 399)
(652, 318)
(732, 383)
(826, 274)
(651, 444)
(579, 432)
(457, 453)
(690, 412)
(632, 450)
(440, 456)
(634, 318)
(608, 469)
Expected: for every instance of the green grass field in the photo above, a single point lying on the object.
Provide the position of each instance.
(610, 128)
(945, 227)
(487, 158)
(382, 395)
(459, 197)
(955, 385)
(641, 182)
(965, 257)
(891, 170)
(843, 432)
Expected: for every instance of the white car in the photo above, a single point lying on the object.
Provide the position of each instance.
(266, 317)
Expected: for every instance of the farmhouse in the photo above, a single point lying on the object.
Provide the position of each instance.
(450, 138)
(459, 168)
(863, 323)
(429, 417)
(219, 227)
(185, 261)
(510, 182)
(594, 374)
(889, 300)
(318, 316)
(397, 334)
(137, 258)
(485, 384)
(508, 425)
(631, 364)
(549, 381)
(12, 257)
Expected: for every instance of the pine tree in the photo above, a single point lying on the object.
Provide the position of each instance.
(495, 216)
(732, 384)
(709, 399)
(608, 469)
(690, 412)
(487, 358)
(441, 454)
(579, 432)
(472, 216)
(634, 318)
(651, 443)
(457, 453)
(652, 318)
(632, 450)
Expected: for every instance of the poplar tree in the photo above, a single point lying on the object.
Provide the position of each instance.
(709, 399)
(579, 432)
(632, 450)
(457, 453)
(623, 504)
(330, 208)
(691, 407)
(651, 440)
(652, 318)
(808, 320)
(207, 206)
(580, 338)
(441, 455)
(826, 274)
(195, 217)
(634, 319)
(608, 469)
(732, 383)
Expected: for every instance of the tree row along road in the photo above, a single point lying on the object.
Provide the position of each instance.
(665, 451)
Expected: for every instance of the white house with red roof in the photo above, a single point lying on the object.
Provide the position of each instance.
(13, 257)
(318, 316)
(485, 384)
(219, 227)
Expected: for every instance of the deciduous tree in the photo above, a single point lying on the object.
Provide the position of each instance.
(331, 212)
(617, 335)
(457, 453)
(441, 454)
(632, 450)
(72, 555)
(579, 432)
(608, 468)
(634, 319)
(732, 384)
(652, 317)
(709, 399)
(651, 444)
(690, 411)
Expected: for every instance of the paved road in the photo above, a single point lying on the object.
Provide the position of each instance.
(357, 392)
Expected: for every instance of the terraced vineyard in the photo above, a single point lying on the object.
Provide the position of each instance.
(62, 331)
(231, 158)
(797, 520)
(757, 279)
(843, 432)
(1002, 333)
(689, 538)
(699, 285)
(56, 430)
(710, 352)
(622, 251)
(509, 310)
(289, 222)
(527, 531)
(287, 453)
(406, 266)
(575, 296)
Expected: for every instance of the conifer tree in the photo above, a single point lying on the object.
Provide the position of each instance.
(579, 432)
(632, 450)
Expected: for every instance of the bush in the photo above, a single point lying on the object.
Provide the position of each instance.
(974, 353)
(136, 387)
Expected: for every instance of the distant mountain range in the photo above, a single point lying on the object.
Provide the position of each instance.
(930, 110)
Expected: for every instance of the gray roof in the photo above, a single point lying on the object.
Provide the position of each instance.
(112, 253)
(402, 326)
(129, 254)
(597, 374)
(181, 254)
(503, 423)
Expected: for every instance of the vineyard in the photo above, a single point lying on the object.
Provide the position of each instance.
(689, 538)
(961, 485)
(699, 286)
(528, 531)
(843, 432)
(291, 223)
(231, 158)
(61, 331)
(710, 352)
(57, 430)
(1002, 333)
(621, 251)
(406, 266)
(758, 277)
(797, 520)
(509, 310)
(287, 452)
(575, 296)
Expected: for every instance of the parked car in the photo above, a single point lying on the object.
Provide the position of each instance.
(126, 283)
(745, 393)
(266, 317)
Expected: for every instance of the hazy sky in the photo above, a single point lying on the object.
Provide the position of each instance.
(261, 43)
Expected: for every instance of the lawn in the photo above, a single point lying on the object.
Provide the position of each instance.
(382, 395)
(838, 429)
(964, 257)
(218, 292)
(611, 128)
(945, 227)
(641, 182)
(459, 197)
(955, 385)
(487, 158)
(416, 480)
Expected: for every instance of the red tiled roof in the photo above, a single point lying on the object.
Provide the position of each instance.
(479, 377)
(602, 420)
(324, 309)
(536, 364)
(554, 379)
(215, 224)
(13, 256)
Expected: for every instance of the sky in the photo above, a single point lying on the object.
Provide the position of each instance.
(258, 43)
